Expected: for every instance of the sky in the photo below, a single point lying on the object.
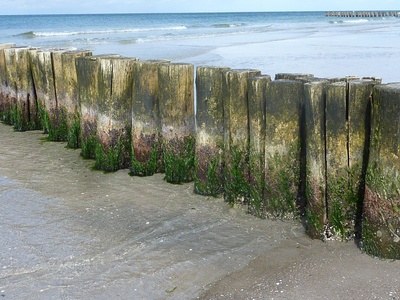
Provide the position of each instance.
(23, 7)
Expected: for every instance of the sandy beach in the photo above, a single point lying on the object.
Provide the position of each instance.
(69, 232)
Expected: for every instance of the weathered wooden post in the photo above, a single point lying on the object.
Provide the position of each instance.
(24, 112)
(381, 224)
(114, 119)
(338, 192)
(11, 103)
(58, 130)
(43, 77)
(360, 95)
(146, 127)
(314, 102)
(294, 76)
(20, 88)
(257, 101)
(282, 147)
(236, 136)
(88, 69)
(4, 82)
(210, 131)
(68, 108)
(176, 90)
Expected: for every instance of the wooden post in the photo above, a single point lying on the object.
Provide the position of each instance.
(88, 69)
(26, 112)
(43, 77)
(146, 127)
(337, 158)
(210, 131)
(176, 90)
(67, 92)
(11, 103)
(4, 82)
(114, 118)
(282, 147)
(293, 76)
(236, 136)
(381, 225)
(360, 95)
(314, 102)
(257, 101)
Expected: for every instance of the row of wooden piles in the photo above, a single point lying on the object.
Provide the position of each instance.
(362, 14)
(325, 149)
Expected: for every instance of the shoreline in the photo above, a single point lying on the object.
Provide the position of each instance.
(117, 236)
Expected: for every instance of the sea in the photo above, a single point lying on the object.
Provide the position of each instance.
(272, 42)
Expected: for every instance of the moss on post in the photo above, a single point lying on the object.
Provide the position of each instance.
(66, 88)
(4, 82)
(10, 109)
(176, 104)
(88, 69)
(114, 119)
(314, 102)
(257, 101)
(339, 198)
(360, 97)
(25, 115)
(210, 131)
(381, 215)
(146, 127)
(43, 78)
(282, 148)
(87, 76)
(294, 76)
(236, 135)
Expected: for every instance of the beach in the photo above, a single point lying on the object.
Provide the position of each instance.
(69, 232)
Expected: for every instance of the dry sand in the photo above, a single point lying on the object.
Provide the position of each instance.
(68, 232)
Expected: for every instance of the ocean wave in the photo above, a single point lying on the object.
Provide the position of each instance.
(227, 25)
(356, 21)
(349, 21)
(33, 34)
(128, 41)
(196, 36)
(29, 34)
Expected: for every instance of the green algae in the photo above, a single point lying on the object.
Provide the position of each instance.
(381, 220)
(256, 183)
(257, 202)
(314, 226)
(54, 123)
(179, 160)
(44, 117)
(368, 243)
(112, 158)
(88, 145)
(282, 183)
(212, 185)
(343, 202)
(108, 159)
(17, 118)
(236, 185)
(74, 132)
(148, 165)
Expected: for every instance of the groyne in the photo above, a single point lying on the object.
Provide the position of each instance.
(362, 14)
(323, 150)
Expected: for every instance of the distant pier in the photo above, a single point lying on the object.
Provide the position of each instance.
(362, 14)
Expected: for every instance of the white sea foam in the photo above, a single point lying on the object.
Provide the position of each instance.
(356, 21)
(94, 32)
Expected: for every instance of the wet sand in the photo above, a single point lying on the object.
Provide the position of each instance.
(68, 232)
